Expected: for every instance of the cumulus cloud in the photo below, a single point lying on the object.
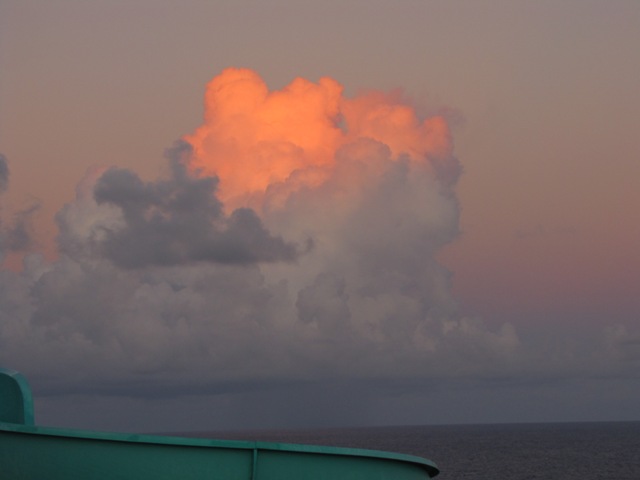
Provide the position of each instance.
(16, 236)
(180, 220)
(4, 174)
(294, 240)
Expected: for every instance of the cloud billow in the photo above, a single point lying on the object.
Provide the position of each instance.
(16, 236)
(4, 174)
(180, 220)
(295, 239)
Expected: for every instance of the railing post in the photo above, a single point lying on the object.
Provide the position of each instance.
(16, 403)
(254, 464)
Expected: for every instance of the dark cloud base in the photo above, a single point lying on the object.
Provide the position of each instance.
(179, 221)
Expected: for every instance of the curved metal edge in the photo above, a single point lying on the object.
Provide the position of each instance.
(22, 386)
(27, 426)
(256, 446)
(354, 452)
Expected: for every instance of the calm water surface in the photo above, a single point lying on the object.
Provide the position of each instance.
(569, 451)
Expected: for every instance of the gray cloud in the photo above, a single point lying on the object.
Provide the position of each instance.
(4, 174)
(159, 293)
(158, 287)
(180, 220)
(18, 235)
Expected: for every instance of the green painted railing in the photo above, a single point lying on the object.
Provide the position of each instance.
(30, 452)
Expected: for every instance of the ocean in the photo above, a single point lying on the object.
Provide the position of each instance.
(560, 451)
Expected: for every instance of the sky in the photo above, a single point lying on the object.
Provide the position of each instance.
(241, 215)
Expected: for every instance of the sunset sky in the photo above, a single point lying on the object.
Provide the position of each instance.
(242, 214)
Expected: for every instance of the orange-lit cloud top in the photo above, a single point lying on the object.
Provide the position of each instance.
(256, 140)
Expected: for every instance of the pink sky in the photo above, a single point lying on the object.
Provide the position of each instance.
(541, 98)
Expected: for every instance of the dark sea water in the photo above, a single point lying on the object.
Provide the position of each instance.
(581, 451)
